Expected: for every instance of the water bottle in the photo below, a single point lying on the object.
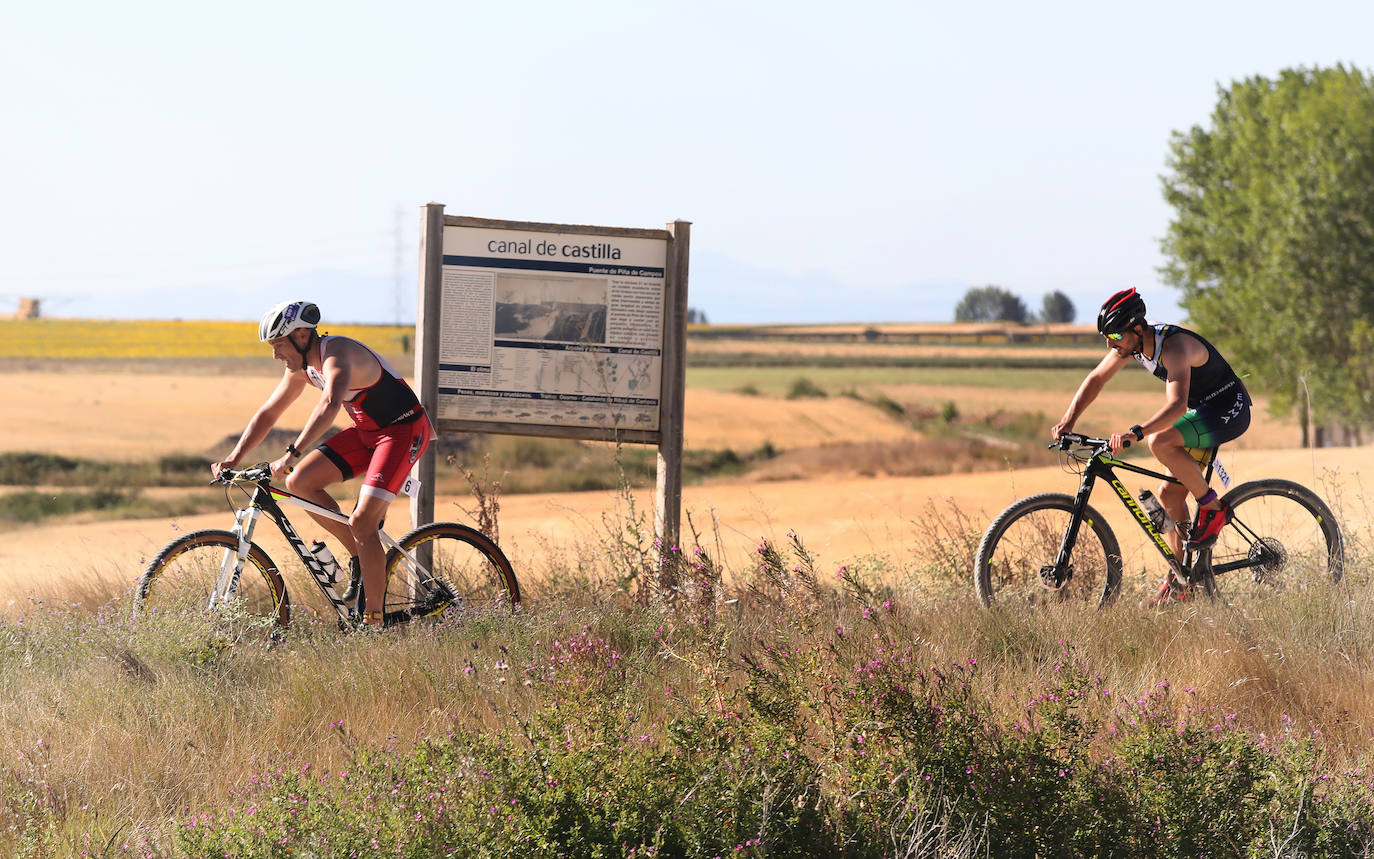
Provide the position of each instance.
(326, 559)
(1155, 511)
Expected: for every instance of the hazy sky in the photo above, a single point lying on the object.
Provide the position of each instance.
(857, 160)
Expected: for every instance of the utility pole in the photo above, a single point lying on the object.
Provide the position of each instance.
(396, 276)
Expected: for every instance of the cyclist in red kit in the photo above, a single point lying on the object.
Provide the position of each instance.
(390, 431)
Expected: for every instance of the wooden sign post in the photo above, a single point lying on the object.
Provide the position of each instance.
(554, 330)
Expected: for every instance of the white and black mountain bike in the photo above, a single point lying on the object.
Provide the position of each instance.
(435, 568)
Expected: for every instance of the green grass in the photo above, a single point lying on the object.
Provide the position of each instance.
(777, 381)
(29, 468)
(530, 464)
(30, 506)
(973, 359)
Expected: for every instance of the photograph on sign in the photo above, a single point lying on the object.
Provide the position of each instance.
(559, 309)
(551, 328)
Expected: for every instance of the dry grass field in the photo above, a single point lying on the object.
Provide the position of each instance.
(137, 415)
(169, 736)
(830, 482)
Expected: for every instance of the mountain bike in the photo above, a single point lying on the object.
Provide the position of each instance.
(1055, 547)
(432, 569)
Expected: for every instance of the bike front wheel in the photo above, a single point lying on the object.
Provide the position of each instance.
(191, 574)
(1019, 550)
(445, 565)
(1280, 537)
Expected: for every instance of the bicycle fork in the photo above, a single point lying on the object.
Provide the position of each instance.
(231, 567)
(1057, 576)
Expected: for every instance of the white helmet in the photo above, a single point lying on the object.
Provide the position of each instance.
(287, 317)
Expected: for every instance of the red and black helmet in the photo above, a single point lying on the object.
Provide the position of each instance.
(1121, 311)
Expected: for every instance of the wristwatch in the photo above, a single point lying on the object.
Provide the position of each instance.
(291, 449)
(1139, 432)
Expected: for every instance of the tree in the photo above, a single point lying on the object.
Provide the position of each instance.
(990, 304)
(1272, 240)
(696, 317)
(1057, 307)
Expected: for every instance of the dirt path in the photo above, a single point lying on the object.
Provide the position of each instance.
(840, 520)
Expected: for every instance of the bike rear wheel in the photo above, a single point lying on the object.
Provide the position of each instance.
(1280, 537)
(454, 566)
(1024, 539)
(188, 570)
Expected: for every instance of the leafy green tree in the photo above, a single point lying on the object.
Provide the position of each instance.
(1272, 240)
(1056, 307)
(990, 304)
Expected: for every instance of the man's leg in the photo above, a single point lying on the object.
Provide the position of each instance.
(395, 452)
(309, 480)
(1173, 497)
(365, 521)
(1168, 447)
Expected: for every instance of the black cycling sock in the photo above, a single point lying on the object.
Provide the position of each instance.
(355, 578)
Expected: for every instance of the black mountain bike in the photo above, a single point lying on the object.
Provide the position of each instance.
(1055, 547)
(434, 568)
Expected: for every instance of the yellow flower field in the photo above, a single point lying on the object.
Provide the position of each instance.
(98, 338)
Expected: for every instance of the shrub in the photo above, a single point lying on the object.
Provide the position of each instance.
(180, 464)
(799, 714)
(889, 405)
(25, 468)
(32, 506)
(803, 387)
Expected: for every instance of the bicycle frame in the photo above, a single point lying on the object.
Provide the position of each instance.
(267, 499)
(1103, 465)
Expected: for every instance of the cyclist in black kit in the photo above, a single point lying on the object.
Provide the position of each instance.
(1205, 404)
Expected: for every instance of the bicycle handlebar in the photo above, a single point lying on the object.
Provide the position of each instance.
(1069, 439)
(251, 474)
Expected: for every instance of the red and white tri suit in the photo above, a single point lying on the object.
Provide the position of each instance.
(390, 429)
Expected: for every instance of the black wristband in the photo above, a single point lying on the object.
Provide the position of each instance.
(1139, 432)
(291, 449)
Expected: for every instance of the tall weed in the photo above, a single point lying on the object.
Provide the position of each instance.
(801, 710)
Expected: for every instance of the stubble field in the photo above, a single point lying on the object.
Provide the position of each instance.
(854, 479)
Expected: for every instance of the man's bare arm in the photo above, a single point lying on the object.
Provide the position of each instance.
(266, 417)
(1092, 385)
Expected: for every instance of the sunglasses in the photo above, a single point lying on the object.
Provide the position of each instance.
(1115, 336)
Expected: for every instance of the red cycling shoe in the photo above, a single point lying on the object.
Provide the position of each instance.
(1207, 526)
(1170, 592)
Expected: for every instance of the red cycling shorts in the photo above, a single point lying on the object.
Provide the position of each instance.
(382, 456)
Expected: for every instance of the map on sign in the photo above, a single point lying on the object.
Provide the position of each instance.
(551, 328)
